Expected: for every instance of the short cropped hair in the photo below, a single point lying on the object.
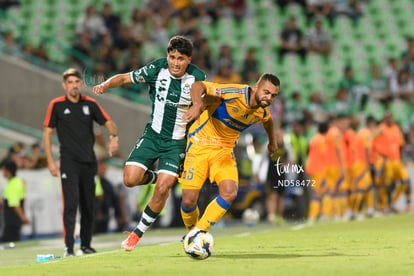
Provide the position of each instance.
(270, 77)
(71, 72)
(181, 44)
(9, 165)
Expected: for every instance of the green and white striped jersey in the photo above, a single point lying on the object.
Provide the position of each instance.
(170, 96)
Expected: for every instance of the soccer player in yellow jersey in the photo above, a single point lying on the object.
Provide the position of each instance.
(336, 167)
(229, 109)
(316, 169)
(362, 183)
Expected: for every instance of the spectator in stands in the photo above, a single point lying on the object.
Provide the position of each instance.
(236, 9)
(350, 8)
(205, 12)
(9, 45)
(160, 19)
(138, 26)
(226, 75)
(82, 51)
(318, 39)
(112, 21)
(341, 105)
(14, 199)
(316, 108)
(291, 40)
(202, 56)
(402, 86)
(283, 4)
(91, 22)
(323, 8)
(28, 51)
(377, 84)
(348, 81)
(186, 22)
(103, 58)
(408, 55)
(5, 4)
(36, 159)
(295, 108)
(250, 67)
(391, 69)
(224, 58)
(41, 52)
(17, 154)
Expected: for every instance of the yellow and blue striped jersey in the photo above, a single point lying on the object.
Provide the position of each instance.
(222, 123)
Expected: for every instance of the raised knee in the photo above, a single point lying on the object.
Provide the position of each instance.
(129, 181)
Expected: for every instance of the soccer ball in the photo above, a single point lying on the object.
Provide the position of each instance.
(251, 217)
(198, 244)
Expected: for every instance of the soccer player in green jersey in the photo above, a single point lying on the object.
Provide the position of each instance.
(164, 138)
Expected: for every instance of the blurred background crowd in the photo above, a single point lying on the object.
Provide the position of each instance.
(334, 57)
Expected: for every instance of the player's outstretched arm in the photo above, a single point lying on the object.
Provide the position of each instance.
(198, 90)
(112, 82)
(270, 131)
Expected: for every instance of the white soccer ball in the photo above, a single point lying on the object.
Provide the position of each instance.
(251, 217)
(198, 244)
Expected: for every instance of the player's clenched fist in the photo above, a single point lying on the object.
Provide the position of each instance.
(99, 89)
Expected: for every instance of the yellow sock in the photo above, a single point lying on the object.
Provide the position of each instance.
(357, 201)
(398, 191)
(369, 198)
(190, 216)
(314, 208)
(383, 197)
(342, 203)
(327, 206)
(213, 213)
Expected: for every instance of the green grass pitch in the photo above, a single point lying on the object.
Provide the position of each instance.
(380, 246)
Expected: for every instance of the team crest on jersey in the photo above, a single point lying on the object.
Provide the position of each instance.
(235, 109)
(186, 88)
(85, 109)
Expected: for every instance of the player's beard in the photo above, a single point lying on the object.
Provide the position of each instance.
(261, 103)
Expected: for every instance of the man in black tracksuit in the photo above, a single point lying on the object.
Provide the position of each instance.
(72, 115)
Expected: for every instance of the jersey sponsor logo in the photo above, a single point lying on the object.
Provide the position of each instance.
(171, 165)
(186, 88)
(66, 111)
(177, 105)
(85, 109)
(217, 91)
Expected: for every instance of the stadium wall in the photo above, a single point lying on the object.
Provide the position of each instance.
(26, 91)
